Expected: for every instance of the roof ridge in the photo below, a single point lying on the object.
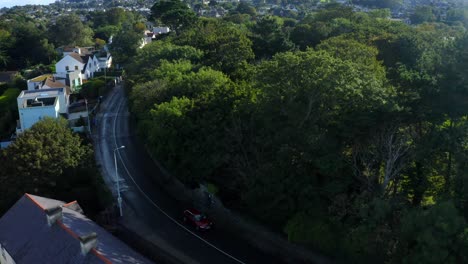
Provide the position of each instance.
(70, 203)
(69, 230)
(34, 201)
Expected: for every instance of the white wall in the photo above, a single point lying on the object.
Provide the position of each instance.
(32, 85)
(31, 115)
(61, 65)
(63, 101)
(105, 63)
(161, 30)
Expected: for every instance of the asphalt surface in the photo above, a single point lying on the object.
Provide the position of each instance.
(147, 207)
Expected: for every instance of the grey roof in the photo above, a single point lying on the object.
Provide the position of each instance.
(27, 237)
(54, 90)
(78, 57)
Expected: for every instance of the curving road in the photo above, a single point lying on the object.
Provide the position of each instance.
(147, 208)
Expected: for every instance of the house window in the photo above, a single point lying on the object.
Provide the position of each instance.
(67, 68)
(76, 67)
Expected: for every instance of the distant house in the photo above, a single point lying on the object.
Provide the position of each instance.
(49, 94)
(34, 105)
(149, 35)
(46, 81)
(84, 62)
(42, 230)
(160, 30)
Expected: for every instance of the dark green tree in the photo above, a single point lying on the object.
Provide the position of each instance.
(269, 37)
(174, 14)
(69, 30)
(225, 47)
(422, 14)
(35, 162)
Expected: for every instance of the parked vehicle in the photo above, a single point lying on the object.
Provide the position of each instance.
(197, 219)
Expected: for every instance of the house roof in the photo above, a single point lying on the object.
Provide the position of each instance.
(40, 78)
(41, 93)
(28, 238)
(53, 83)
(83, 50)
(78, 57)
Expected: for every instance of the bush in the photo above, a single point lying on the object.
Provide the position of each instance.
(9, 112)
(306, 229)
(93, 88)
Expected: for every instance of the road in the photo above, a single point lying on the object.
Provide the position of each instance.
(147, 207)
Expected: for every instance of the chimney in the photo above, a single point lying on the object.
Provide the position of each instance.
(53, 214)
(88, 242)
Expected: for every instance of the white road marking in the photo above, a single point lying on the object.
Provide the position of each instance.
(154, 204)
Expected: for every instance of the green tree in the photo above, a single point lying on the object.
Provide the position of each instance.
(30, 46)
(245, 8)
(436, 235)
(35, 161)
(149, 57)
(225, 47)
(422, 14)
(182, 107)
(105, 32)
(379, 3)
(8, 106)
(269, 38)
(69, 30)
(174, 14)
(6, 42)
(126, 43)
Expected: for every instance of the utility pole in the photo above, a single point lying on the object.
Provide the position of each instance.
(89, 124)
(119, 198)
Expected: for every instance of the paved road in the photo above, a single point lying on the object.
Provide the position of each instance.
(150, 211)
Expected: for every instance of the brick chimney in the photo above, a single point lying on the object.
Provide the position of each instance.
(88, 242)
(53, 214)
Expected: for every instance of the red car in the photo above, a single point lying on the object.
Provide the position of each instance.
(197, 219)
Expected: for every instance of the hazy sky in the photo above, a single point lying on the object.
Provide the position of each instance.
(10, 3)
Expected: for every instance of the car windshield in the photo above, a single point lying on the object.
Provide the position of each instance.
(199, 217)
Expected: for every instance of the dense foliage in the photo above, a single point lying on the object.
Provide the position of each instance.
(9, 111)
(345, 130)
(51, 161)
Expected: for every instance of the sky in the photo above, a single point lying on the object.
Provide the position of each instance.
(10, 3)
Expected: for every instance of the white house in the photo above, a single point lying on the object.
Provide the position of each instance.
(37, 104)
(37, 82)
(149, 36)
(47, 81)
(161, 30)
(49, 94)
(84, 61)
(69, 63)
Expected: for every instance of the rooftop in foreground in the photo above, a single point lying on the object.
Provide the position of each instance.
(42, 230)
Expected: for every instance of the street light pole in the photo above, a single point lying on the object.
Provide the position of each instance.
(87, 112)
(119, 198)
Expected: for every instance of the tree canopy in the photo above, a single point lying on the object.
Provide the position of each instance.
(344, 130)
(173, 13)
(70, 31)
